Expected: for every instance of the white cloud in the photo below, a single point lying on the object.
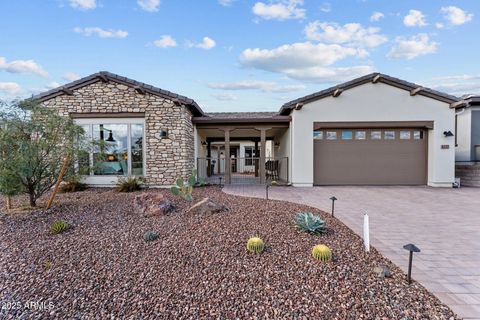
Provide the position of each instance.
(149, 5)
(410, 48)
(22, 66)
(279, 10)
(326, 7)
(102, 33)
(165, 41)
(458, 85)
(376, 16)
(10, 88)
(266, 86)
(70, 76)
(225, 96)
(456, 16)
(415, 18)
(83, 4)
(351, 34)
(52, 85)
(306, 61)
(439, 25)
(226, 3)
(206, 44)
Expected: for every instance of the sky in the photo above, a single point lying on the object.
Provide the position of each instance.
(239, 55)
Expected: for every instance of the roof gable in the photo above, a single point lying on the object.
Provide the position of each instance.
(108, 76)
(413, 88)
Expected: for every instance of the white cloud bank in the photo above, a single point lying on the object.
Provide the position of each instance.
(415, 18)
(70, 76)
(376, 16)
(10, 88)
(206, 44)
(266, 86)
(456, 16)
(102, 33)
(149, 5)
(22, 66)
(279, 10)
(413, 47)
(457, 85)
(83, 4)
(165, 41)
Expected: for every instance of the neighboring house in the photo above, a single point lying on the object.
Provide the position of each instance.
(374, 130)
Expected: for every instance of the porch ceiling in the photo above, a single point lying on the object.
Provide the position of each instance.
(249, 133)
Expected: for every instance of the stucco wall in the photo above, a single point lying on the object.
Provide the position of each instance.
(375, 102)
(166, 159)
(476, 134)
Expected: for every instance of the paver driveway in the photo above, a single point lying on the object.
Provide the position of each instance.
(443, 223)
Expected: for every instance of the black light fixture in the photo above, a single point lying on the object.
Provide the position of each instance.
(448, 133)
(204, 143)
(412, 248)
(110, 136)
(333, 205)
(163, 134)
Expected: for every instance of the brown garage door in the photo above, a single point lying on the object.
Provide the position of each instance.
(370, 156)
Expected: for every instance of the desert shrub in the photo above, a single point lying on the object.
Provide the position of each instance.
(322, 253)
(310, 223)
(59, 226)
(255, 245)
(73, 184)
(150, 236)
(129, 184)
(184, 188)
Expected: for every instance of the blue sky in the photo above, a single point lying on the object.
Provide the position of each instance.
(239, 55)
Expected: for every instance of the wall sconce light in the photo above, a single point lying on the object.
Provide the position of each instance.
(448, 133)
(204, 143)
(276, 144)
(163, 134)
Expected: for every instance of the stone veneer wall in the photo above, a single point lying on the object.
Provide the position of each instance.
(469, 175)
(166, 159)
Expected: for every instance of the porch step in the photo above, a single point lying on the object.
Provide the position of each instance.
(469, 174)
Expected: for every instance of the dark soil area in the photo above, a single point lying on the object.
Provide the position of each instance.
(197, 269)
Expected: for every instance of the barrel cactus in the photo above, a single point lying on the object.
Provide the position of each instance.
(255, 245)
(308, 222)
(322, 253)
(150, 236)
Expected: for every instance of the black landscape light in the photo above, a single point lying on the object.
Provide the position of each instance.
(412, 248)
(220, 180)
(448, 133)
(266, 190)
(333, 205)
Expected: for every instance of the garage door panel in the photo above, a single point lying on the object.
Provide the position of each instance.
(370, 162)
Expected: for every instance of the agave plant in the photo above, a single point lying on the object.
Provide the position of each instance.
(59, 226)
(150, 236)
(308, 222)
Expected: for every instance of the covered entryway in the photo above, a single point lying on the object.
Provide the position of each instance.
(384, 154)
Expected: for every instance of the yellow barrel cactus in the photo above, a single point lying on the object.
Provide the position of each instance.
(322, 253)
(255, 245)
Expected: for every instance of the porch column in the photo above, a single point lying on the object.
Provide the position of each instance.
(209, 158)
(218, 159)
(256, 161)
(263, 146)
(228, 167)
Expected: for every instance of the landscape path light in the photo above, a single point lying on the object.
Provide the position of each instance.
(412, 248)
(220, 180)
(333, 205)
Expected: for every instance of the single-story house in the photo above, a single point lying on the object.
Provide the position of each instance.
(374, 130)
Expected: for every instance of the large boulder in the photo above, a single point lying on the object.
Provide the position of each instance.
(207, 206)
(151, 204)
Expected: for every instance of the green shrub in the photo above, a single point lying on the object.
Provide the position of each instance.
(184, 188)
(150, 236)
(59, 226)
(310, 223)
(129, 184)
(73, 186)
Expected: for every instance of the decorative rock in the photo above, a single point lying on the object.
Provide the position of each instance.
(382, 271)
(207, 206)
(151, 204)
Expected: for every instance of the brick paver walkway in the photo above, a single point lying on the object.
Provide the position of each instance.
(443, 223)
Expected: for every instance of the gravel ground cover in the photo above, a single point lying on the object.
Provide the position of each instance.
(197, 269)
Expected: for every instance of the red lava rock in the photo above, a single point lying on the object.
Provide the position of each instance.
(198, 268)
(207, 206)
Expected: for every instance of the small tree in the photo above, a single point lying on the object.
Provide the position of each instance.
(34, 140)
